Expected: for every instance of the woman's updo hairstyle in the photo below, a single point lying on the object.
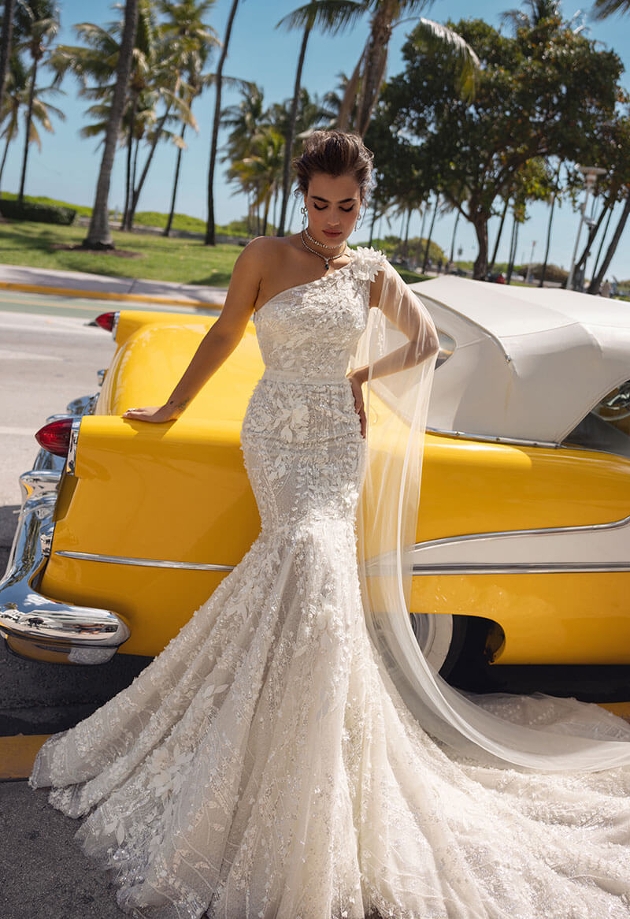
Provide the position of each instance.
(334, 153)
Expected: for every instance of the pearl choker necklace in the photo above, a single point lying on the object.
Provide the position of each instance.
(326, 259)
(311, 240)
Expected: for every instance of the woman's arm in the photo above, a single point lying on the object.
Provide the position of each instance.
(221, 339)
(404, 310)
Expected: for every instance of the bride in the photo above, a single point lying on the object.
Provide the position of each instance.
(265, 765)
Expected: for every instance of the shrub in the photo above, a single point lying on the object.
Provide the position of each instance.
(40, 213)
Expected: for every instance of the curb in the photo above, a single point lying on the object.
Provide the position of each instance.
(18, 756)
(106, 295)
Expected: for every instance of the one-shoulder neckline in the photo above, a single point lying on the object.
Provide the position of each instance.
(287, 290)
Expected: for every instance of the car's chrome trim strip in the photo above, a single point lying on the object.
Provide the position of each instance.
(597, 547)
(142, 562)
(521, 568)
(493, 439)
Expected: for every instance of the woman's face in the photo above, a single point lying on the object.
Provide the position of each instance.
(333, 204)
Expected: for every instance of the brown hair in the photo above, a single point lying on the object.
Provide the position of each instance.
(334, 153)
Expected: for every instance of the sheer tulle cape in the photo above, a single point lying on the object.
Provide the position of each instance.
(574, 736)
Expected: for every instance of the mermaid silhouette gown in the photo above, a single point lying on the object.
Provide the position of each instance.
(264, 766)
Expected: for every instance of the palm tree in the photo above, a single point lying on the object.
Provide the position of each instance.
(261, 171)
(604, 8)
(6, 40)
(333, 14)
(596, 283)
(535, 13)
(99, 235)
(214, 143)
(143, 62)
(247, 120)
(365, 84)
(17, 99)
(38, 20)
(95, 62)
(192, 42)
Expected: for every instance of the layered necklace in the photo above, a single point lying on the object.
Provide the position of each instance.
(326, 259)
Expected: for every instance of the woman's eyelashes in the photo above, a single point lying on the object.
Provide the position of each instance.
(322, 207)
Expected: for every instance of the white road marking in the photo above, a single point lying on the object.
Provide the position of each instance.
(26, 432)
(8, 355)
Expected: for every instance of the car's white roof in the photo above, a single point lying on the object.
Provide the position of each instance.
(529, 363)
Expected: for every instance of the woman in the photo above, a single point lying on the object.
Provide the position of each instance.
(264, 765)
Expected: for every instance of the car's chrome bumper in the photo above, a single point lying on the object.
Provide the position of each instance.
(35, 626)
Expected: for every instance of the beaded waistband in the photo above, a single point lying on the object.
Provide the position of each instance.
(291, 376)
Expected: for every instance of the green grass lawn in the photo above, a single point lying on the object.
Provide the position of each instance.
(137, 255)
(155, 258)
(140, 255)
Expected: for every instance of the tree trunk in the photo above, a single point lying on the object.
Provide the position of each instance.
(599, 251)
(406, 237)
(266, 215)
(452, 255)
(29, 121)
(592, 233)
(123, 222)
(129, 179)
(499, 234)
(349, 98)
(127, 223)
(513, 246)
(288, 141)
(6, 41)
(541, 283)
(426, 251)
(373, 222)
(480, 268)
(178, 164)
(143, 177)
(596, 283)
(4, 159)
(375, 63)
(99, 234)
(210, 232)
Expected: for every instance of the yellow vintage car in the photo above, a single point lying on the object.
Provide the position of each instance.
(522, 552)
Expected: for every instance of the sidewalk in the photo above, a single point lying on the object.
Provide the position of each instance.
(104, 287)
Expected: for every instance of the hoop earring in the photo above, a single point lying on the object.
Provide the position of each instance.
(359, 222)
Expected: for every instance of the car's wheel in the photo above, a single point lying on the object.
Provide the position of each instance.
(441, 638)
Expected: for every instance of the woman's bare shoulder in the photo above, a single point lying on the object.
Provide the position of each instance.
(266, 247)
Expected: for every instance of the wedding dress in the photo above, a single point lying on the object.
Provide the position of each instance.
(264, 766)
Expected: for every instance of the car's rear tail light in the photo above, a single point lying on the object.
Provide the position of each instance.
(107, 321)
(55, 436)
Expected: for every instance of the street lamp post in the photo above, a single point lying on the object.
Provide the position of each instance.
(590, 174)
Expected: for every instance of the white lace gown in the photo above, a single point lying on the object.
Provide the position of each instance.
(262, 767)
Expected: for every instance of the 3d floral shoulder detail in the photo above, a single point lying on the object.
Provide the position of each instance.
(367, 263)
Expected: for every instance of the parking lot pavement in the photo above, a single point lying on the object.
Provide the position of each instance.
(44, 874)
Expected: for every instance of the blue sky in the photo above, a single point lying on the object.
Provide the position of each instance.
(67, 166)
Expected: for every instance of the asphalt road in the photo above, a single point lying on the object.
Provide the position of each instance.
(47, 358)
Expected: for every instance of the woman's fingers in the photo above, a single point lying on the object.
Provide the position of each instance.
(359, 406)
(156, 414)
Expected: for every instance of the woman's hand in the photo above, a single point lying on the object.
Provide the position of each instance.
(359, 406)
(156, 414)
